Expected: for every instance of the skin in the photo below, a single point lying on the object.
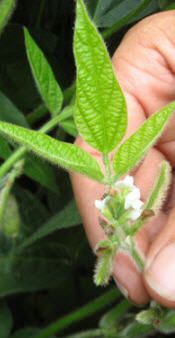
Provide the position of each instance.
(145, 67)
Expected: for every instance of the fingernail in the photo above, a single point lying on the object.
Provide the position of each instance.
(160, 274)
(122, 289)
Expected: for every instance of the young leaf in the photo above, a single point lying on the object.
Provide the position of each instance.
(133, 150)
(6, 9)
(43, 75)
(100, 112)
(103, 269)
(64, 154)
(158, 194)
(10, 218)
(160, 188)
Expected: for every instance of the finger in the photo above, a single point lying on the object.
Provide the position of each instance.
(147, 70)
(159, 272)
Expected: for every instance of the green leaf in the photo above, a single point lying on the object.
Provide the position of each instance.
(43, 75)
(167, 323)
(160, 188)
(137, 330)
(10, 113)
(114, 315)
(5, 150)
(100, 112)
(64, 154)
(121, 13)
(33, 212)
(10, 221)
(32, 271)
(6, 9)
(103, 269)
(28, 333)
(66, 218)
(102, 7)
(41, 172)
(134, 149)
(6, 320)
(157, 195)
(70, 127)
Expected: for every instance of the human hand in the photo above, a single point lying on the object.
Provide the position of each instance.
(145, 67)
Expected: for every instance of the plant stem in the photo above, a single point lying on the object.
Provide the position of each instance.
(48, 126)
(107, 33)
(106, 162)
(132, 249)
(84, 312)
(8, 164)
(5, 192)
(37, 114)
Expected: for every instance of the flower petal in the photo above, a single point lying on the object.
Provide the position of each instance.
(135, 214)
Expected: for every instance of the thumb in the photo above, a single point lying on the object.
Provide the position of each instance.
(159, 274)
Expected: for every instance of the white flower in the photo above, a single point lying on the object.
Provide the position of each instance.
(134, 203)
(127, 182)
(132, 198)
(100, 204)
(135, 214)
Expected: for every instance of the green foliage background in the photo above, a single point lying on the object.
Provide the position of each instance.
(47, 272)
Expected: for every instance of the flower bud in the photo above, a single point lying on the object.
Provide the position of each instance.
(10, 222)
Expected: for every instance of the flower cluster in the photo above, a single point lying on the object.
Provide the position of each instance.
(128, 195)
(132, 198)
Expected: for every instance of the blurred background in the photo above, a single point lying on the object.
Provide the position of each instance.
(46, 271)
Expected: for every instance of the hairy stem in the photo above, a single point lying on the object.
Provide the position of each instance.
(106, 162)
(5, 192)
(37, 114)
